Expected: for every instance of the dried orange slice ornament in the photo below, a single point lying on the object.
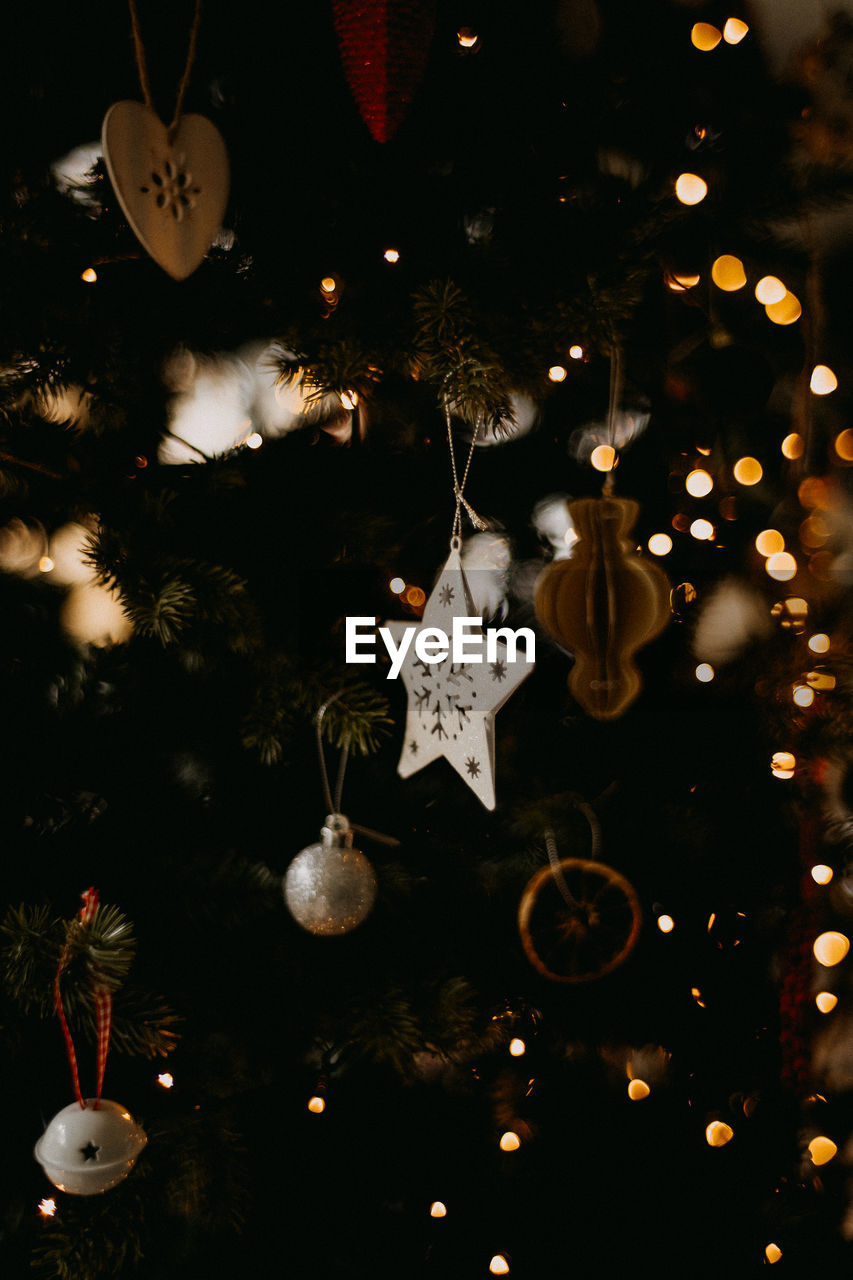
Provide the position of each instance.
(578, 920)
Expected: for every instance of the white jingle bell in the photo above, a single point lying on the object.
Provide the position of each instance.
(85, 1151)
(330, 887)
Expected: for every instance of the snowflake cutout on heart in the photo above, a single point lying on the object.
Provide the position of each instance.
(172, 187)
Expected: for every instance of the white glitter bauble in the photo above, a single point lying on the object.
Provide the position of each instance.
(85, 1151)
(330, 887)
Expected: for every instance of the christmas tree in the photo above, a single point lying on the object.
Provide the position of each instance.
(356, 321)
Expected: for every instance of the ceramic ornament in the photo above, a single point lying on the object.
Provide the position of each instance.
(172, 185)
(87, 1150)
(452, 705)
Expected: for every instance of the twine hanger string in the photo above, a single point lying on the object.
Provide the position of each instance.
(459, 485)
(142, 63)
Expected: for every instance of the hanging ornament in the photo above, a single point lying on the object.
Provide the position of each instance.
(92, 1144)
(88, 1150)
(171, 182)
(452, 705)
(330, 887)
(603, 604)
(384, 48)
(578, 918)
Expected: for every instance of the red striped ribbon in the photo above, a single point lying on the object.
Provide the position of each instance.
(103, 1009)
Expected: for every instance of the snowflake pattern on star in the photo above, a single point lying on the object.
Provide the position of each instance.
(452, 705)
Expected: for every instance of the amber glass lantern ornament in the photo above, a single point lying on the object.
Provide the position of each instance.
(603, 605)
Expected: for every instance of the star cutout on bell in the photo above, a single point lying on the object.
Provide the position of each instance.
(452, 705)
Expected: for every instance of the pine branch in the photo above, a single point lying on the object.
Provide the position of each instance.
(94, 1237)
(33, 941)
(452, 355)
(355, 715)
(386, 1030)
(338, 368)
(142, 1024)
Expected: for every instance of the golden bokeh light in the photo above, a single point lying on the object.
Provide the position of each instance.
(782, 566)
(254, 440)
(702, 530)
(793, 446)
(748, 471)
(90, 275)
(637, 1090)
(467, 38)
(814, 531)
(734, 30)
(576, 352)
(166, 1080)
(666, 924)
(783, 764)
(328, 284)
(517, 1047)
(819, 643)
(557, 373)
(772, 1253)
(438, 1209)
(830, 948)
(499, 1265)
(46, 564)
(416, 597)
(660, 544)
(814, 492)
(397, 586)
(826, 1001)
(510, 1141)
(690, 188)
(47, 1208)
(391, 255)
(698, 484)
(769, 542)
(704, 672)
(803, 695)
(821, 873)
(603, 457)
(349, 400)
(786, 311)
(770, 289)
(822, 1149)
(718, 1133)
(823, 381)
(844, 445)
(822, 679)
(727, 273)
(317, 1105)
(705, 37)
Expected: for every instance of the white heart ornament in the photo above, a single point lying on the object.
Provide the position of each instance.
(173, 193)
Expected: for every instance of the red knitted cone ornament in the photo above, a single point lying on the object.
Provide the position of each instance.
(384, 47)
